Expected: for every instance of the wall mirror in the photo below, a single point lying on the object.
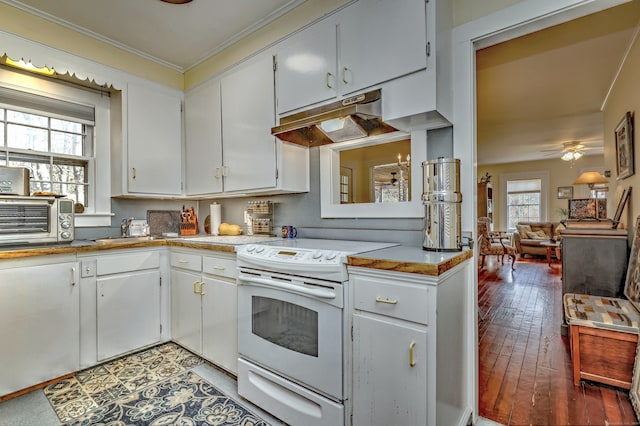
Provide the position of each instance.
(378, 176)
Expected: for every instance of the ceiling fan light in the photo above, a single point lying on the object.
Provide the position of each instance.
(577, 155)
(567, 156)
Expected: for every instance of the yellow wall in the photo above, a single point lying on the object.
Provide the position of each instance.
(469, 10)
(302, 15)
(37, 29)
(624, 97)
(560, 174)
(40, 30)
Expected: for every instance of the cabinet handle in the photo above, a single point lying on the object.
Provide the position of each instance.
(133, 170)
(216, 173)
(328, 80)
(387, 301)
(219, 268)
(344, 75)
(225, 170)
(202, 288)
(195, 283)
(412, 363)
(73, 275)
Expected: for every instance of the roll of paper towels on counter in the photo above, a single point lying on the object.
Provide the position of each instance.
(214, 218)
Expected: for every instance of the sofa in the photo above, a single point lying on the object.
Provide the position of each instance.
(529, 235)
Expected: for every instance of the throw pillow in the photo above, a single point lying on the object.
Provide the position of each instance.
(537, 235)
(523, 229)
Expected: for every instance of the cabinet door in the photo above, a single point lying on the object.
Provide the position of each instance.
(39, 313)
(186, 315)
(387, 390)
(203, 140)
(248, 114)
(306, 71)
(128, 311)
(154, 130)
(220, 323)
(381, 40)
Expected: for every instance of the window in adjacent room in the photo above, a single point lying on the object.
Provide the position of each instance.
(524, 201)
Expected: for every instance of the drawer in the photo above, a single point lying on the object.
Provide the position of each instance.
(116, 264)
(398, 300)
(192, 262)
(218, 266)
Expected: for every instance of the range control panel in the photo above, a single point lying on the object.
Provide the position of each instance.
(293, 255)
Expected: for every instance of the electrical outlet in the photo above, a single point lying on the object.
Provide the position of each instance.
(246, 217)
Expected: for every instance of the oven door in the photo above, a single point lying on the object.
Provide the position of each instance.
(293, 327)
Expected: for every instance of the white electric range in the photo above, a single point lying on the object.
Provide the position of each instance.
(292, 327)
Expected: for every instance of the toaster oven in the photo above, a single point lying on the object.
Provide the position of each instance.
(35, 220)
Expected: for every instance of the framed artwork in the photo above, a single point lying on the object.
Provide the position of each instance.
(565, 192)
(632, 292)
(588, 208)
(624, 147)
(621, 204)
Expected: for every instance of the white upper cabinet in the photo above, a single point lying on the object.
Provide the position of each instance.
(307, 67)
(366, 44)
(248, 114)
(153, 140)
(381, 40)
(203, 139)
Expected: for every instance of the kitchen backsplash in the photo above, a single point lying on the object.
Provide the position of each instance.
(299, 210)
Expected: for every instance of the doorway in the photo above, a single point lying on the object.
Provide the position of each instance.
(522, 18)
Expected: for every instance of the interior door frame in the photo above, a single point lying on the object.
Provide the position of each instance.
(522, 18)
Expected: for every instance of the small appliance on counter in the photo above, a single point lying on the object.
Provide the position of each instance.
(134, 227)
(442, 202)
(14, 181)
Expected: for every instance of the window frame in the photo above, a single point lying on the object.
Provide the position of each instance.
(544, 194)
(98, 211)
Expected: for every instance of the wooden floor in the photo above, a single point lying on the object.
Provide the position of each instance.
(525, 363)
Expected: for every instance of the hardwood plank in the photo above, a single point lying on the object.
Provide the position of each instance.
(525, 368)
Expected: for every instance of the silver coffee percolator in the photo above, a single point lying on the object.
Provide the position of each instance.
(442, 202)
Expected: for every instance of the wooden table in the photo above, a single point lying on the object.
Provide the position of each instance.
(550, 245)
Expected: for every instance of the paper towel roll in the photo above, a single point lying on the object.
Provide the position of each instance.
(214, 218)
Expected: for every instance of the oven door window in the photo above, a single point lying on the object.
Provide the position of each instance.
(285, 324)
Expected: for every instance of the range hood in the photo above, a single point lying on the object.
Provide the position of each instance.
(350, 118)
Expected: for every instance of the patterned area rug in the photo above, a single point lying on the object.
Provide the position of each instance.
(182, 400)
(152, 387)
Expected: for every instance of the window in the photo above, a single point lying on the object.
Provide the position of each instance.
(54, 148)
(62, 133)
(523, 201)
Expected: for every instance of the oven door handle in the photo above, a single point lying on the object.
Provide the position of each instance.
(244, 279)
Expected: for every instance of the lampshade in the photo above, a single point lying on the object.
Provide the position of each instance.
(590, 178)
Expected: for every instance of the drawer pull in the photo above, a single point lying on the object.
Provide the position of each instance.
(182, 261)
(387, 301)
(219, 268)
(412, 363)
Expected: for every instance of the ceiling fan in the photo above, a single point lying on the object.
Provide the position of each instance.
(571, 150)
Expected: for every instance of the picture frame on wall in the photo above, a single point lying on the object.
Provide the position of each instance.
(565, 192)
(624, 147)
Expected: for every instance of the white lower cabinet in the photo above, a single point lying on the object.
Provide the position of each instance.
(390, 367)
(128, 307)
(410, 348)
(39, 313)
(204, 316)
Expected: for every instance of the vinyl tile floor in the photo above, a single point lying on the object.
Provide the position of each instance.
(60, 402)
